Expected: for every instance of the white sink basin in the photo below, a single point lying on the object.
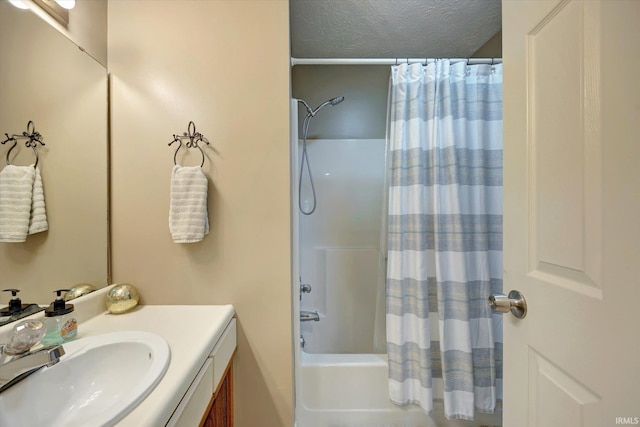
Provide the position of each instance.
(96, 383)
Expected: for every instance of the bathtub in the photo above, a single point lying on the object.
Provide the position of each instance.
(351, 390)
(340, 381)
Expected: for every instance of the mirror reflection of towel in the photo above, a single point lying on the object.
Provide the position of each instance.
(22, 207)
(188, 217)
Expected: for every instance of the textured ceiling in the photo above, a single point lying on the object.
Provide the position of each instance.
(391, 28)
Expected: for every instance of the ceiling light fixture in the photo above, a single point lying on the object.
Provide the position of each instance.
(58, 9)
(67, 4)
(19, 4)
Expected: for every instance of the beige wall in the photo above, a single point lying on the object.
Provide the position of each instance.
(224, 65)
(87, 26)
(491, 49)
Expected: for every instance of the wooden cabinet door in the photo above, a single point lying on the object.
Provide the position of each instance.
(220, 413)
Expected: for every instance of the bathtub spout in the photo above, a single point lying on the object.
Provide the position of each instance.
(306, 316)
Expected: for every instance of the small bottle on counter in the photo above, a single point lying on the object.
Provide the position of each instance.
(61, 323)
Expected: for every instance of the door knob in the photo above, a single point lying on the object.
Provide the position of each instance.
(514, 303)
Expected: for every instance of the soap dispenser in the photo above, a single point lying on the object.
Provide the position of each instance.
(15, 305)
(62, 325)
(16, 309)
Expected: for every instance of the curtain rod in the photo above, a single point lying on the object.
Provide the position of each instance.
(385, 61)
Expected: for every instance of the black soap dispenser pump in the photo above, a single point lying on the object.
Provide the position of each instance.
(16, 309)
(62, 325)
(15, 305)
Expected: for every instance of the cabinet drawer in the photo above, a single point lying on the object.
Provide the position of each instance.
(195, 402)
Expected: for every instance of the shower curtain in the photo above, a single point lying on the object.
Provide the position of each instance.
(445, 236)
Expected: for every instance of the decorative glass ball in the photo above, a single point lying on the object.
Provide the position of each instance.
(79, 290)
(122, 298)
(23, 336)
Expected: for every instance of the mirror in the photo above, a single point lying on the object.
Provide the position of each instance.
(47, 79)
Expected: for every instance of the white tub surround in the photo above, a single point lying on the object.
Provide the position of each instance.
(339, 244)
(202, 340)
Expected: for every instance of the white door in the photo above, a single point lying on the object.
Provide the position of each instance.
(572, 212)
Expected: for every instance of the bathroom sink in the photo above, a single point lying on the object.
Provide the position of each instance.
(96, 383)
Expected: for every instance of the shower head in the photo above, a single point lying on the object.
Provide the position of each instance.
(336, 101)
(332, 101)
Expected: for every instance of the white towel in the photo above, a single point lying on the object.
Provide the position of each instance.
(188, 218)
(22, 209)
(38, 219)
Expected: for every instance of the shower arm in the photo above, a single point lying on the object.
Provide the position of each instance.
(309, 109)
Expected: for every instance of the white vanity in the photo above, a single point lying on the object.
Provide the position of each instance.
(196, 387)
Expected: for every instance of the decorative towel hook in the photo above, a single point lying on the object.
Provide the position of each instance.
(193, 138)
(32, 137)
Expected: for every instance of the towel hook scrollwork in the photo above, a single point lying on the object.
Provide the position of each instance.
(193, 138)
(32, 139)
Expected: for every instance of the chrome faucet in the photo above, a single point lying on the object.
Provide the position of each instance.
(19, 367)
(306, 316)
(17, 361)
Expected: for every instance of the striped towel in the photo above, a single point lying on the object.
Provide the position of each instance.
(22, 208)
(188, 218)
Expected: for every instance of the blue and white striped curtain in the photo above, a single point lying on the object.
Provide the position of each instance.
(445, 236)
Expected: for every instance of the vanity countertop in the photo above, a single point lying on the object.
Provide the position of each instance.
(191, 331)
